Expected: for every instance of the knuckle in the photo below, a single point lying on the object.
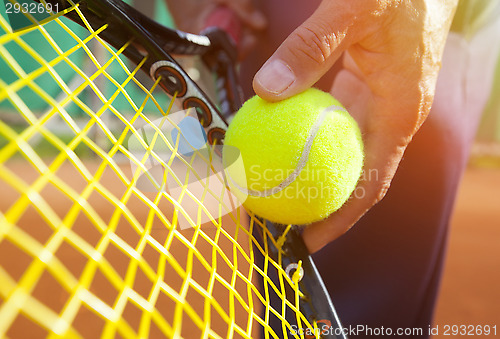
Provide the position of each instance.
(315, 42)
(383, 191)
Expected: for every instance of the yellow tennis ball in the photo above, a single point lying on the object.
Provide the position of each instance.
(302, 157)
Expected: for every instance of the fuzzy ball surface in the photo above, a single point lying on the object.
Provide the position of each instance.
(301, 157)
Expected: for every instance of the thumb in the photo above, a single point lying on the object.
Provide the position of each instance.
(307, 54)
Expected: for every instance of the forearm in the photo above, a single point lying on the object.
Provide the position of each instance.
(189, 15)
(185, 14)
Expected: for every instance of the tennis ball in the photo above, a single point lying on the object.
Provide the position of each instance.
(301, 157)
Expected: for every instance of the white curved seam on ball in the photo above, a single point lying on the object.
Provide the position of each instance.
(302, 161)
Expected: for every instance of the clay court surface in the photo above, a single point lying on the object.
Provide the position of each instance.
(470, 290)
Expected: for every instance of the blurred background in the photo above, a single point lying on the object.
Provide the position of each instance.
(469, 290)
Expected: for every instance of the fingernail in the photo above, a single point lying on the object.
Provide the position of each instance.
(275, 77)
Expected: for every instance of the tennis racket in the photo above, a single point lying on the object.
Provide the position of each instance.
(115, 220)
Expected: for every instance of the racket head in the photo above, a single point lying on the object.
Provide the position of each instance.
(86, 249)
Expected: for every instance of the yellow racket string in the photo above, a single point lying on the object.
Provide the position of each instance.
(85, 251)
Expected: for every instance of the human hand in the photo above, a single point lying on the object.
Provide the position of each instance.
(392, 57)
(191, 16)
